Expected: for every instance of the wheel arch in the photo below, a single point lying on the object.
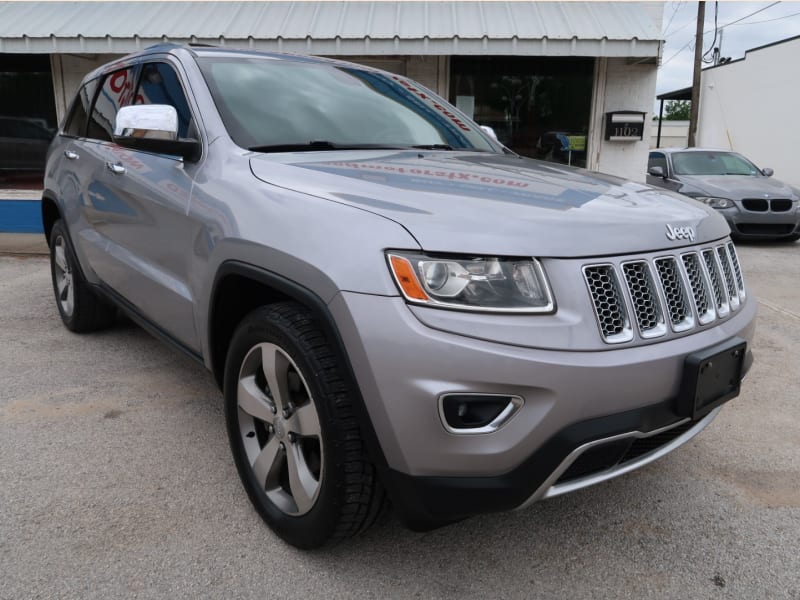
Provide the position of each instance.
(50, 214)
(240, 287)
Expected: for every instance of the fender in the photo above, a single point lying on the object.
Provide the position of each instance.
(312, 301)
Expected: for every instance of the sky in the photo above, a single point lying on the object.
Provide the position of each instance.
(775, 21)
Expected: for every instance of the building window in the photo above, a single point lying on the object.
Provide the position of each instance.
(27, 119)
(538, 107)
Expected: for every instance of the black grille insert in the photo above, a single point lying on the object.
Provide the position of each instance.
(780, 205)
(755, 204)
(765, 228)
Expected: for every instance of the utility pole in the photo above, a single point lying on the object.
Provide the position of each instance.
(698, 63)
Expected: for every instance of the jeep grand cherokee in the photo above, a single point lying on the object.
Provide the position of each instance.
(393, 304)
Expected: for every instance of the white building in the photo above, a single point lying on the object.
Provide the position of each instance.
(752, 106)
(539, 73)
(674, 134)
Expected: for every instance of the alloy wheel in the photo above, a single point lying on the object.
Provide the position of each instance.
(63, 277)
(280, 429)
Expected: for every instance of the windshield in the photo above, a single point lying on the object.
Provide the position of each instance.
(712, 163)
(279, 105)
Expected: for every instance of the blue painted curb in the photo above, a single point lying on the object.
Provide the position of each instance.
(20, 216)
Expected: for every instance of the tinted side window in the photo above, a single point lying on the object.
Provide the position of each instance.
(657, 159)
(159, 84)
(116, 91)
(75, 124)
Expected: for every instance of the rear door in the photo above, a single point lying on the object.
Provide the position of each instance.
(72, 166)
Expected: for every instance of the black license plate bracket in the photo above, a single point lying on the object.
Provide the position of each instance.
(711, 377)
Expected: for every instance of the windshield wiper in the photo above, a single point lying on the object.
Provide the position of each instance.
(316, 145)
(434, 147)
(446, 147)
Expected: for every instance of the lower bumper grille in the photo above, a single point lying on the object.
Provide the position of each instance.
(765, 228)
(618, 453)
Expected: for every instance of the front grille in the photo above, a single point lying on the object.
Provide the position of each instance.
(755, 204)
(780, 205)
(763, 205)
(679, 293)
(619, 452)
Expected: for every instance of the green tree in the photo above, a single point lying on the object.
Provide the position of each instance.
(677, 110)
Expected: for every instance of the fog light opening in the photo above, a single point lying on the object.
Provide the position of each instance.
(477, 413)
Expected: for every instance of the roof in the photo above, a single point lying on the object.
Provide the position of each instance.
(629, 29)
(692, 149)
(682, 94)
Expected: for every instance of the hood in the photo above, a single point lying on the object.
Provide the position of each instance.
(736, 187)
(487, 203)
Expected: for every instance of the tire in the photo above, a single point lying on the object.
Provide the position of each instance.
(80, 309)
(299, 451)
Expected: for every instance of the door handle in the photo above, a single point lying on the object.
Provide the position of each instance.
(71, 155)
(115, 168)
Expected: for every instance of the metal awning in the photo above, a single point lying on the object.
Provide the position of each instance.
(611, 29)
(682, 94)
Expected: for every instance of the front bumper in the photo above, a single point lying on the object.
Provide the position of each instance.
(570, 399)
(754, 225)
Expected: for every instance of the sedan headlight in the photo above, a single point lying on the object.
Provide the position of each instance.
(488, 284)
(715, 202)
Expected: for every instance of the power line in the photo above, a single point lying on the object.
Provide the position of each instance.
(674, 12)
(687, 44)
(750, 15)
(770, 20)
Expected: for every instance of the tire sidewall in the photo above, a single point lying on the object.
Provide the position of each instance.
(313, 528)
(60, 231)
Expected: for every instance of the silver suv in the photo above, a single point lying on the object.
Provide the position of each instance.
(394, 305)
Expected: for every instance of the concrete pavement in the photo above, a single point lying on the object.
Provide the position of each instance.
(116, 481)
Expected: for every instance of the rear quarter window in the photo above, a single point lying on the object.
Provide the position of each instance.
(75, 124)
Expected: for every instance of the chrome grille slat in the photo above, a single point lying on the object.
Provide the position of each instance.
(727, 270)
(699, 286)
(644, 299)
(669, 275)
(681, 292)
(715, 276)
(737, 269)
(609, 307)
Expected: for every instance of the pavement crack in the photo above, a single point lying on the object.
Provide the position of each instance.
(779, 309)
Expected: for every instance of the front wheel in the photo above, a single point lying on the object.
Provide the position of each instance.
(293, 432)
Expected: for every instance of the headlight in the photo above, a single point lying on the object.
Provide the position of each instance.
(489, 284)
(715, 202)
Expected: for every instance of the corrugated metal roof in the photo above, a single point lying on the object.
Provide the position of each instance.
(339, 28)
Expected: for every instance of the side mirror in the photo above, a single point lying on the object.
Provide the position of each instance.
(767, 172)
(656, 172)
(490, 132)
(153, 128)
